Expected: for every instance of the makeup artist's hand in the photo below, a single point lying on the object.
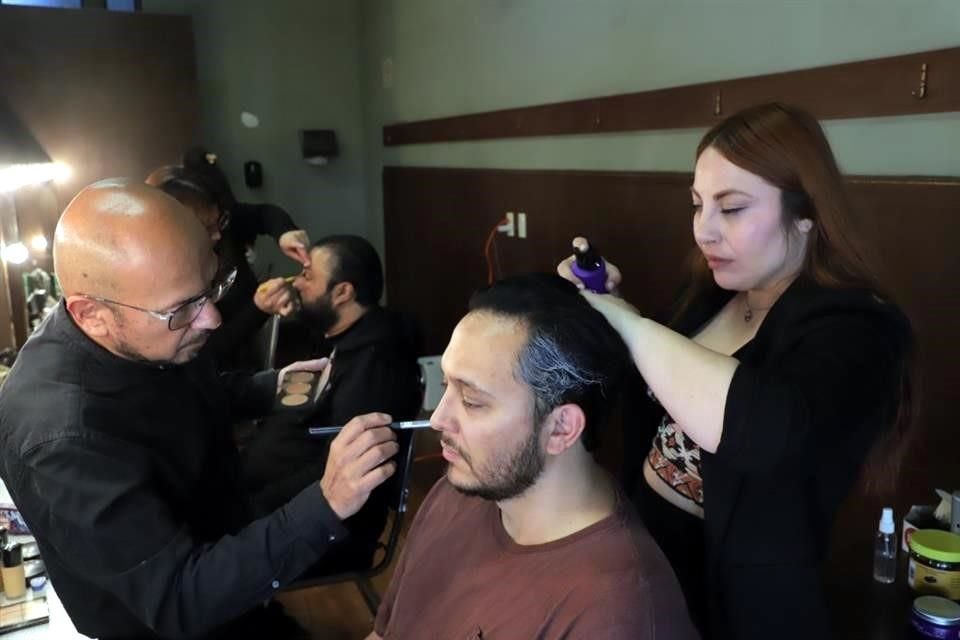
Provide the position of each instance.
(296, 244)
(302, 365)
(275, 296)
(614, 277)
(359, 462)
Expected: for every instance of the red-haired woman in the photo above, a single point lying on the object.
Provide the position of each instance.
(783, 366)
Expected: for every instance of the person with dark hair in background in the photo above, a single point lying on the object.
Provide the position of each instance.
(238, 224)
(783, 366)
(176, 182)
(373, 368)
(527, 536)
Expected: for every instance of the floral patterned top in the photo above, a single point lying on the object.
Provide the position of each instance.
(675, 458)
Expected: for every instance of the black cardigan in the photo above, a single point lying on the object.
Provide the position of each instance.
(814, 389)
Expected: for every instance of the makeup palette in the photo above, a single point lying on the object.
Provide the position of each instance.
(300, 390)
(27, 610)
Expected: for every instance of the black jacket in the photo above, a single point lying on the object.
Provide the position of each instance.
(812, 393)
(126, 474)
(375, 369)
(231, 344)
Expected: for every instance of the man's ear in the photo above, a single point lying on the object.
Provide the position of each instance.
(564, 426)
(343, 292)
(91, 316)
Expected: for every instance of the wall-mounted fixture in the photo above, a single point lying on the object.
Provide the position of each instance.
(12, 177)
(249, 120)
(252, 174)
(318, 145)
(39, 243)
(17, 144)
(22, 160)
(15, 253)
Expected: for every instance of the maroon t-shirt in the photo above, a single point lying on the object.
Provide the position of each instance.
(461, 577)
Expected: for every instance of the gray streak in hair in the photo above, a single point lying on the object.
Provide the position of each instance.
(551, 374)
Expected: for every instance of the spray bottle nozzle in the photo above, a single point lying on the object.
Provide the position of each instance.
(589, 266)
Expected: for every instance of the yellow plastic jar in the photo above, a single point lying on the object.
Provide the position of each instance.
(935, 563)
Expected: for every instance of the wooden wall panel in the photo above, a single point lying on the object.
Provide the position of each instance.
(436, 222)
(109, 93)
(871, 88)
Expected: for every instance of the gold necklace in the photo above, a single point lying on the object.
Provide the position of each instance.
(748, 314)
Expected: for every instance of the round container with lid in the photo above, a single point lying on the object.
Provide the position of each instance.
(936, 617)
(935, 563)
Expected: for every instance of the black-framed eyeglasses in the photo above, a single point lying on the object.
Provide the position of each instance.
(187, 312)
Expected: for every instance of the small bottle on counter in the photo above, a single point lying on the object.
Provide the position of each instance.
(14, 579)
(885, 549)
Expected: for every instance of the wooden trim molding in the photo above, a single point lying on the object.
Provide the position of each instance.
(927, 82)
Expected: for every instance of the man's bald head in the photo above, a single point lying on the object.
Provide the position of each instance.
(118, 238)
(128, 256)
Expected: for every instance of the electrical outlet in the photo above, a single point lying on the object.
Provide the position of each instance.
(509, 227)
(386, 71)
(521, 225)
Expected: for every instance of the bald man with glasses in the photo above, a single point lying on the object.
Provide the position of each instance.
(116, 443)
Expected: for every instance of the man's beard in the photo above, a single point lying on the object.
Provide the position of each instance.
(320, 313)
(508, 475)
(127, 351)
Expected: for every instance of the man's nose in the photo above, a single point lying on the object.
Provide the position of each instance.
(440, 419)
(209, 317)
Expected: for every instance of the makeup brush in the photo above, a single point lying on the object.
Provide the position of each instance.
(288, 280)
(409, 424)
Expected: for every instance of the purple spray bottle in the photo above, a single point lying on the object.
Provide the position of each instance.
(589, 266)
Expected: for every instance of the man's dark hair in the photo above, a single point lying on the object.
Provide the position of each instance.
(572, 354)
(183, 185)
(209, 176)
(356, 262)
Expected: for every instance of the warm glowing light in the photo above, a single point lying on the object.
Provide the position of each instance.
(20, 175)
(15, 253)
(39, 243)
(61, 172)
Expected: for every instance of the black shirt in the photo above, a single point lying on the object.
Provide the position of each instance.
(126, 474)
(375, 369)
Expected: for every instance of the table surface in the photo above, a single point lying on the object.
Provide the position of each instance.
(865, 608)
(60, 626)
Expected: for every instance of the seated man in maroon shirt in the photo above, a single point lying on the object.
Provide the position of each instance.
(527, 536)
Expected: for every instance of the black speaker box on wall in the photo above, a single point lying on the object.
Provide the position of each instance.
(318, 145)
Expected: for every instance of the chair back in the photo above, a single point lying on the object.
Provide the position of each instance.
(398, 490)
(431, 380)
